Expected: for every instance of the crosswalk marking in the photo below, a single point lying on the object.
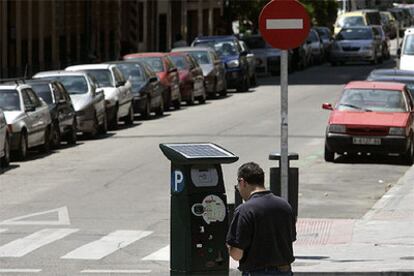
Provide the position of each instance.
(160, 255)
(23, 246)
(17, 270)
(106, 245)
(108, 271)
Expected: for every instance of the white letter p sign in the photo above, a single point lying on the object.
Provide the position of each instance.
(178, 181)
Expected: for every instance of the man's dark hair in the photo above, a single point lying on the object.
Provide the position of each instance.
(252, 173)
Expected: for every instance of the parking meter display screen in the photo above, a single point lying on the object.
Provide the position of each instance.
(200, 150)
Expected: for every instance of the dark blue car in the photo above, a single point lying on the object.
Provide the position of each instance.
(234, 58)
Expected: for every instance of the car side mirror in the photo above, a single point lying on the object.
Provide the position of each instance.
(120, 83)
(98, 92)
(153, 79)
(327, 106)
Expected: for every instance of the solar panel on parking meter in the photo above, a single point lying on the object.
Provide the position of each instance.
(284, 24)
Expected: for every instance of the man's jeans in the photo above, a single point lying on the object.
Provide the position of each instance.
(267, 272)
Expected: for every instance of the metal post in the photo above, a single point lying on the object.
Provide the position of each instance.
(284, 124)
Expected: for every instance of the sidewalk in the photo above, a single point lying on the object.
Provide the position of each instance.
(380, 243)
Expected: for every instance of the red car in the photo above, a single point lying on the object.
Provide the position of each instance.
(371, 117)
(167, 73)
(191, 78)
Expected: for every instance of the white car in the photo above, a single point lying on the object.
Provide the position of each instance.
(4, 142)
(117, 91)
(28, 119)
(407, 52)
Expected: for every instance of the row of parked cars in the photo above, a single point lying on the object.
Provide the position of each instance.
(55, 106)
(375, 117)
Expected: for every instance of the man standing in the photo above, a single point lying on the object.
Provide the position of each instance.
(263, 229)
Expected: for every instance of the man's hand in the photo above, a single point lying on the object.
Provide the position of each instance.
(235, 253)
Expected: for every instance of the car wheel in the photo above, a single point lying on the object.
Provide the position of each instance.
(202, 98)
(95, 128)
(103, 128)
(409, 155)
(72, 138)
(160, 109)
(146, 113)
(190, 101)
(5, 160)
(253, 80)
(329, 155)
(177, 102)
(244, 87)
(223, 92)
(129, 119)
(113, 124)
(47, 140)
(22, 150)
(55, 135)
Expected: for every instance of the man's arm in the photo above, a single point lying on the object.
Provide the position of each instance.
(235, 253)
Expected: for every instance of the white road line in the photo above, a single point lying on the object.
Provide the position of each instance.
(115, 271)
(161, 255)
(23, 246)
(17, 270)
(284, 24)
(106, 245)
(62, 218)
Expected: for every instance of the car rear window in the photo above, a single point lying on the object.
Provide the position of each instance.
(73, 84)
(223, 48)
(202, 57)
(43, 91)
(9, 100)
(379, 100)
(133, 72)
(354, 34)
(409, 45)
(154, 62)
(351, 21)
(103, 77)
(180, 62)
(256, 43)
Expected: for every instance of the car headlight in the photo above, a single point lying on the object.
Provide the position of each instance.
(397, 131)
(337, 128)
(233, 63)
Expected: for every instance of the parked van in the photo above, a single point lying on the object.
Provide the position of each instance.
(356, 19)
(407, 51)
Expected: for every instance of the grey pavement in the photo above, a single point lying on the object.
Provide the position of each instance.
(380, 243)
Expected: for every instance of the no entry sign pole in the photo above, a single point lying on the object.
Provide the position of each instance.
(284, 24)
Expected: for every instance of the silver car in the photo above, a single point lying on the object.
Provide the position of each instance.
(212, 66)
(4, 141)
(360, 44)
(117, 91)
(87, 99)
(28, 119)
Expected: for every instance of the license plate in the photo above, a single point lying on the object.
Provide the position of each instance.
(366, 141)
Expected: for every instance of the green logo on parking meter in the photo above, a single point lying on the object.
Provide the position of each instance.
(177, 181)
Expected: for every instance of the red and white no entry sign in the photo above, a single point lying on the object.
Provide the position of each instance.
(284, 24)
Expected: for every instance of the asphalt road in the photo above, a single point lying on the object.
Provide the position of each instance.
(52, 207)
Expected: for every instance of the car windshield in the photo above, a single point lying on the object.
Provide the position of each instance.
(180, 62)
(43, 91)
(202, 57)
(379, 100)
(409, 45)
(354, 34)
(223, 48)
(133, 72)
(9, 100)
(323, 33)
(351, 21)
(256, 43)
(73, 84)
(103, 77)
(154, 62)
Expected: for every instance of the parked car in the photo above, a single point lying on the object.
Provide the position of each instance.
(357, 18)
(28, 119)
(251, 59)
(234, 58)
(394, 75)
(327, 39)
(212, 66)
(4, 142)
(61, 110)
(402, 21)
(267, 57)
(87, 99)
(371, 117)
(167, 73)
(406, 53)
(191, 78)
(356, 44)
(117, 91)
(146, 87)
(385, 42)
(316, 45)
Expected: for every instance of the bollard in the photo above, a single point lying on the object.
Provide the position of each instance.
(293, 180)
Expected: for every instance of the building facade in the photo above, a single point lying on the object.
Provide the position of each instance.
(38, 35)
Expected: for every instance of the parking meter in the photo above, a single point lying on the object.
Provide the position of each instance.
(198, 208)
